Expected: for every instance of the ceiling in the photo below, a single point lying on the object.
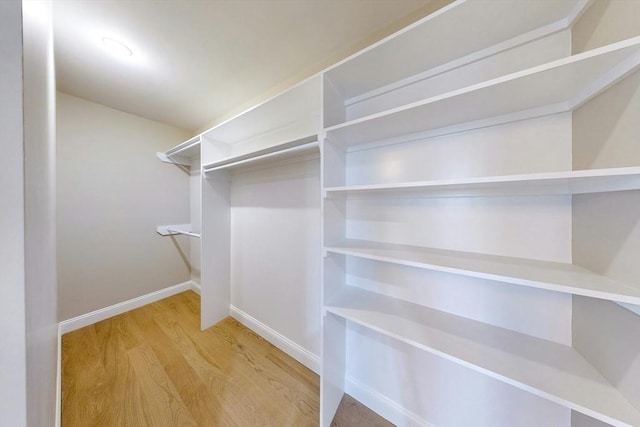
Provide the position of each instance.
(196, 61)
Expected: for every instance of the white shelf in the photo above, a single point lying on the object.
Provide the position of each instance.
(183, 153)
(553, 276)
(551, 88)
(436, 44)
(552, 183)
(171, 230)
(544, 368)
(290, 149)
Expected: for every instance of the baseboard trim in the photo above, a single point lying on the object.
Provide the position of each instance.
(383, 406)
(104, 313)
(58, 420)
(195, 287)
(294, 350)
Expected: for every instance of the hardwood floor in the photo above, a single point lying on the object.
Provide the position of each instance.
(154, 367)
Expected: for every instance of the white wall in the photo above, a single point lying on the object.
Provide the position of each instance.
(275, 249)
(27, 248)
(112, 193)
(12, 285)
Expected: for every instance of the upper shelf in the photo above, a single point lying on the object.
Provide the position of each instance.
(552, 371)
(571, 182)
(290, 149)
(183, 153)
(436, 43)
(547, 275)
(558, 86)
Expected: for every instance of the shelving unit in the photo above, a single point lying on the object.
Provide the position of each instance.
(480, 195)
(572, 182)
(182, 154)
(277, 132)
(552, 88)
(435, 203)
(543, 368)
(400, 61)
(552, 276)
(171, 230)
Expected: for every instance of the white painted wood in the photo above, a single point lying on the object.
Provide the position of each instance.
(38, 154)
(291, 115)
(286, 150)
(524, 147)
(90, 318)
(440, 391)
(550, 183)
(332, 368)
(531, 311)
(195, 215)
(552, 371)
(537, 51)
(182, 154)
(215, 246)
(546, 89)
(190, 148)
(552, 276)
(531, 227)
(171, 230)
(605, 340)
(299, 353)
(419, 47)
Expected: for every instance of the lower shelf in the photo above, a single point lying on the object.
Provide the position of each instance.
(552, 371)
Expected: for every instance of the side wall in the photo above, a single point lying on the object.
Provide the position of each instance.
(13, 410)
(40, 212)
(113, 192)
(27, 213)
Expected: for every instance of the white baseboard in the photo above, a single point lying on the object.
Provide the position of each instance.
(113, 310)
(59, 381)
(383, 406)
(195, 287)
(294, 350)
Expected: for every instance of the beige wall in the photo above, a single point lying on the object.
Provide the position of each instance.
(112, 193)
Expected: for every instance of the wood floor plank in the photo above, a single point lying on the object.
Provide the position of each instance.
(153, 366)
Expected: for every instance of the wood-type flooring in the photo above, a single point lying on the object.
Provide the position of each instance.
(154, 367)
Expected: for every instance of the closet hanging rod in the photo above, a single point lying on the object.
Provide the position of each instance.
(292, 149)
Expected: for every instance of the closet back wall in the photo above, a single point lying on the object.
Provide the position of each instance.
(112, 193)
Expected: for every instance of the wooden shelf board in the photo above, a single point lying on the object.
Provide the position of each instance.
(553, 276)
(287, 149)
(407, 46)
(552, 371)
(552, 183)
(546, 89)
